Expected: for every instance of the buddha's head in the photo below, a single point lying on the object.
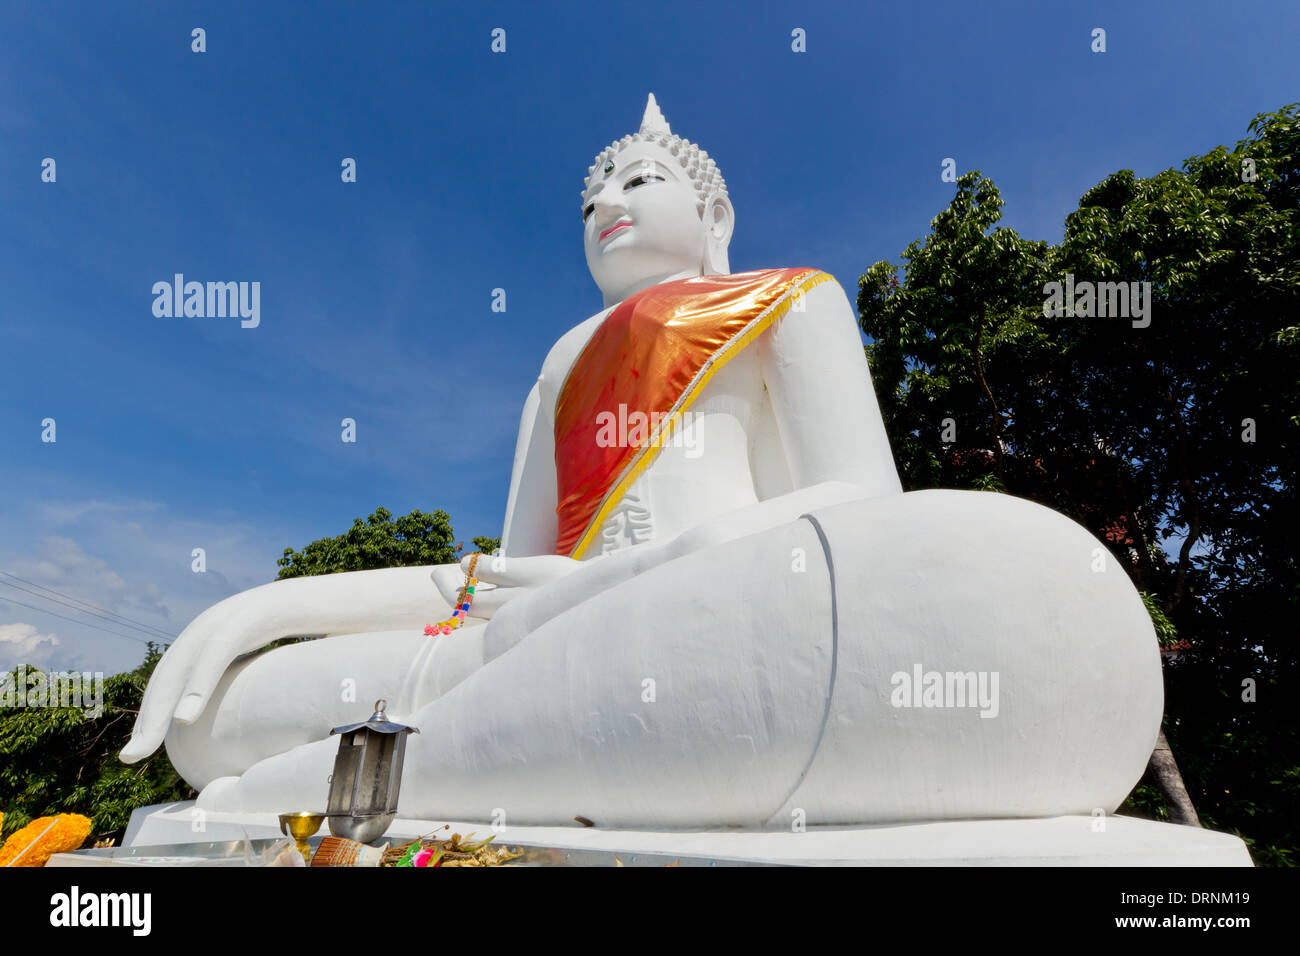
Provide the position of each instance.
(654, 207)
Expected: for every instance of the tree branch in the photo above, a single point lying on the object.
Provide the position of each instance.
(1191, 505)
(988, 393)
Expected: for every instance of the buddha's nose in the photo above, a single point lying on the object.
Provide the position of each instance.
(609, 208)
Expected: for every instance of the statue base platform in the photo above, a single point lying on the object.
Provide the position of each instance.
(1052, 841)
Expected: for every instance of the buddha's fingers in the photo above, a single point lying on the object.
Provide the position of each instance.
(236, 633)
(161, 694)
(531, 571)
(490, 600)
(448, 579)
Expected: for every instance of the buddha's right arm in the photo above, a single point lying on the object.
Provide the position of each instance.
(350, 602)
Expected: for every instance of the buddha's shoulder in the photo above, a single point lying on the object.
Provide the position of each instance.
(565, 351)
(793, 274)
(817, 285)
(820, 289)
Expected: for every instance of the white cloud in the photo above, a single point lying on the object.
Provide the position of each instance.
(65, 558)
(128, 556)
(65, 512)
(24, 644)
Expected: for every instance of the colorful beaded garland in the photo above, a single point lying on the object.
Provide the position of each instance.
(463, 601)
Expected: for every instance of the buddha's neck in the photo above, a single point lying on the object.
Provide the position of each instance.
(615, 297)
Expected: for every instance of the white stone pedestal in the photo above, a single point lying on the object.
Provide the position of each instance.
(1054, 841)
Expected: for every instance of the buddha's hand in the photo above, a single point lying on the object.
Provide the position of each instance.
(508, 578)
(207, 644)
(352, 602)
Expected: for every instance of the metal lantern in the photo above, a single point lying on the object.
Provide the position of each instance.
(367, 776)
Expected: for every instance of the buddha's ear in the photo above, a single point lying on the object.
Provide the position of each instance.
(719, 222)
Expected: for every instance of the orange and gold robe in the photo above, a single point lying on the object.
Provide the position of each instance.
(652, 355)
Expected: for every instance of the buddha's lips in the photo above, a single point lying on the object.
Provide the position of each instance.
(614, 228)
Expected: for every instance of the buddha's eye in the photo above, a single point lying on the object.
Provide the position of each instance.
(642, 180)
(591, 207)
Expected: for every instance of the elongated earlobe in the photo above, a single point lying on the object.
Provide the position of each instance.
(719, 223)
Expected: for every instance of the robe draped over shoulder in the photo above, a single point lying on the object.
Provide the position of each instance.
(645, 365)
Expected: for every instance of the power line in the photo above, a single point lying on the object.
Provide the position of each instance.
(93, 608)
(86, 607)
(42, 597)
(129, 637)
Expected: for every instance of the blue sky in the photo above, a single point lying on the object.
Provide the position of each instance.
(174, 434)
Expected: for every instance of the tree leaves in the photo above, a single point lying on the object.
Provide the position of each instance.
(380, 541)
(61, 760)
(1175, 444)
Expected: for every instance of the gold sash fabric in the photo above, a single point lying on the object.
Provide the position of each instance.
(652, 355)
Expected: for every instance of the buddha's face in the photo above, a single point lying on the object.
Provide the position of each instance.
(641, 220)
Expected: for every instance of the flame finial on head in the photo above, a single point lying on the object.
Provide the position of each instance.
(699, 167)
(653, 121)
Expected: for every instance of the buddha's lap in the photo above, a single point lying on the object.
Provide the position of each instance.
(790, 688)
(780, 690)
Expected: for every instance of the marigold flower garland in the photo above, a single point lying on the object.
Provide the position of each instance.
(43, 837)
(463, 601)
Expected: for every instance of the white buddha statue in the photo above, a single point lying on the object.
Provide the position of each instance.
(714, 607)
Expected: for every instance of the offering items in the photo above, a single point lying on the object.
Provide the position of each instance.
(44, 836)
(300, 826)
(337, 851)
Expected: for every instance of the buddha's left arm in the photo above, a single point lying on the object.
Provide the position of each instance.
(815, 370)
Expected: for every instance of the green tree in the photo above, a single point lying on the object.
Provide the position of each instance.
(1176, 444)
(62, 760)
(951, 341)
(380, 541)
